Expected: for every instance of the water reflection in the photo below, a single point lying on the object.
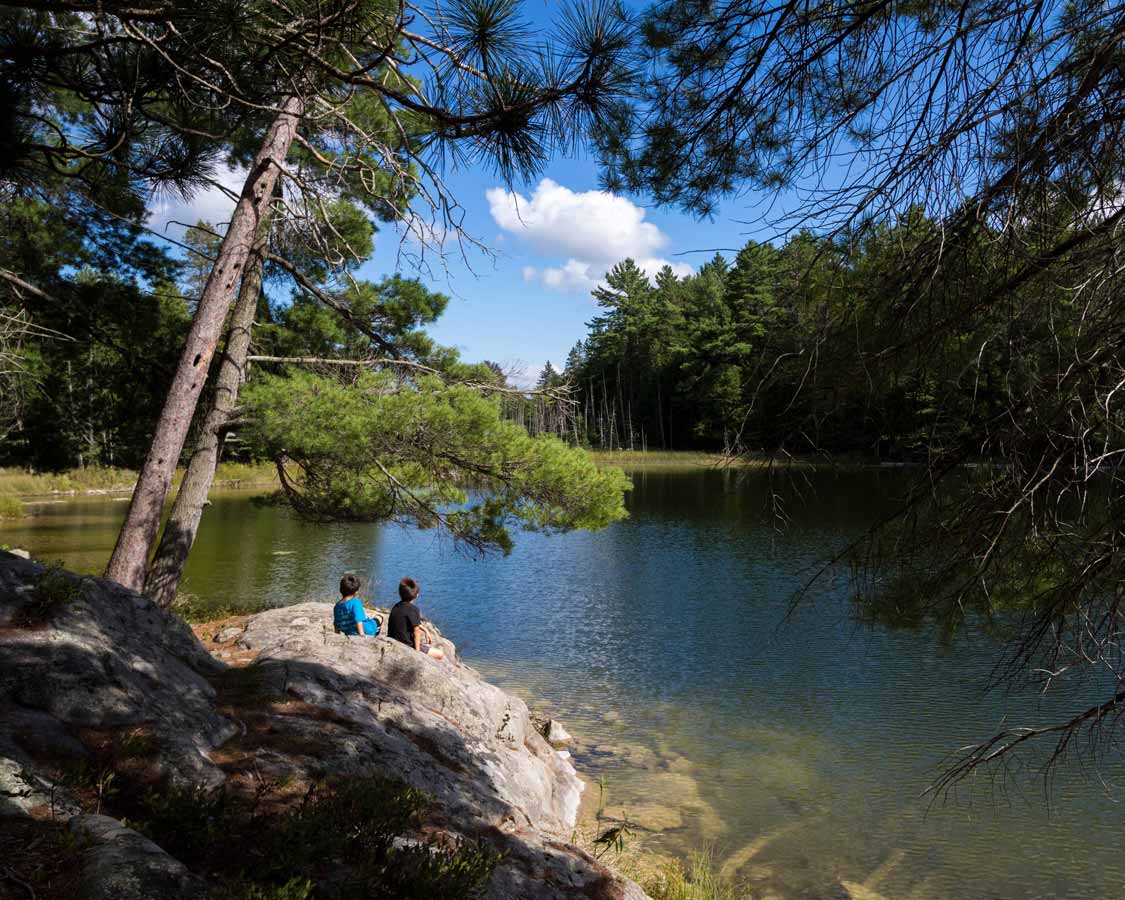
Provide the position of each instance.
(799, 743)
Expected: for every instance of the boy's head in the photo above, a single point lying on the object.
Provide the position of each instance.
(349, 585)
(408, 589)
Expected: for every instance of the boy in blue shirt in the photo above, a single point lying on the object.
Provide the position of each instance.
(348, 615)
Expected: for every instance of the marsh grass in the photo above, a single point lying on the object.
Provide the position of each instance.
(693, 460)
(667, 459)
(15, 483)
(698, 880)
(11, 508)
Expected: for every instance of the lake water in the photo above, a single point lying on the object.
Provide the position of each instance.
(797, 746)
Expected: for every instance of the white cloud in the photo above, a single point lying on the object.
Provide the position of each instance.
(591, 230)
(575, 275)
(170, 215)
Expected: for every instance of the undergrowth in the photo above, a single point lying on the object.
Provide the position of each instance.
(194, 610)
(54, 589)
(11, 508)
(699, 880)
(16, 482)
(344, 840)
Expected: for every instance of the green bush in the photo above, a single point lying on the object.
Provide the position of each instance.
(338, 843)
(700, 881)
(11, 508)
(193, 609)
(296, 889)
(54, 589)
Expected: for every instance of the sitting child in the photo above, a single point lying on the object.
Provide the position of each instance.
(405, 622)
(348, 615)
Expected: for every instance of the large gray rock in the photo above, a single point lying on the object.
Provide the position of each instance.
(86, 653)
(93, 654)
(119, 864)
(440, 727)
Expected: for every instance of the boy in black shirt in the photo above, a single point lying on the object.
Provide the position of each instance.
(405, 621)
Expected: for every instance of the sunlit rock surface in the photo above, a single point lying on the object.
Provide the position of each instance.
(86, 654)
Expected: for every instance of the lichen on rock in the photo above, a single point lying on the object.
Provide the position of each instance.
(312, 704)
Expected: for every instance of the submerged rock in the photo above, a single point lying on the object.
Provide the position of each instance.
(87, 656)
(557, 736)
(645, 816)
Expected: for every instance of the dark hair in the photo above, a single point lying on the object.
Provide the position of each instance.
(408, 589)
(349, 585)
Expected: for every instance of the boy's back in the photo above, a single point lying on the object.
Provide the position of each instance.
(404, 618)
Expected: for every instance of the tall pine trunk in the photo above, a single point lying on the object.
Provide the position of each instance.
(142, 522)
(183, 522)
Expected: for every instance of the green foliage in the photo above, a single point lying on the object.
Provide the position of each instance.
(699, 881)
(90, 387)
(11, 508)
(340, 842)
(55, 589)
(435, 454)
(193, 610)
(294, 889)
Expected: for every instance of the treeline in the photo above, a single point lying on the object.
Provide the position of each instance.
(104, 308)
(815, 344)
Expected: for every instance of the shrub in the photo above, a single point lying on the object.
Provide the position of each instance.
(54, 589)
(700, 881)
(340, 842)
(11, 508)
(194, 610)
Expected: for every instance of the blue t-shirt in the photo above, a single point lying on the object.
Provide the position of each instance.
(347, 613)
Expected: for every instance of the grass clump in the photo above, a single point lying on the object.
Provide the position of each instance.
(11, 508)
(16, 482)
(195, 611)
(700, 880)
(55, 589)
(349, 840)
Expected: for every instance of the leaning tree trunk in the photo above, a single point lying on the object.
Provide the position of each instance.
(183, 522)
(142, 522)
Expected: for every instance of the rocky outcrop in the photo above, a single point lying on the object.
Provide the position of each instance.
(84, 655)
(119, 864)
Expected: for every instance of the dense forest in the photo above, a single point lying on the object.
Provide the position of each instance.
(805, 347)
(956, 296)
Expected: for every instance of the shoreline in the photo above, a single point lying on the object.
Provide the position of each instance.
(292, 734)
(632, 860)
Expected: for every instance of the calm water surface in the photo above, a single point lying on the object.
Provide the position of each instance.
(797, 746)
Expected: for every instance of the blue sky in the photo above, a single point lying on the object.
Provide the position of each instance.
(529, 301)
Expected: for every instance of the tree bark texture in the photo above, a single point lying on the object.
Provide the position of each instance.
(142, 522)
(183, 522)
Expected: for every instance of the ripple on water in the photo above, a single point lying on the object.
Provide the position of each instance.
(668, 646)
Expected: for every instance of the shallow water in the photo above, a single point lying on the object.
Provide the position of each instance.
(798, 745)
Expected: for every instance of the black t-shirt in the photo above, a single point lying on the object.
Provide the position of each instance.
(403, 620)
